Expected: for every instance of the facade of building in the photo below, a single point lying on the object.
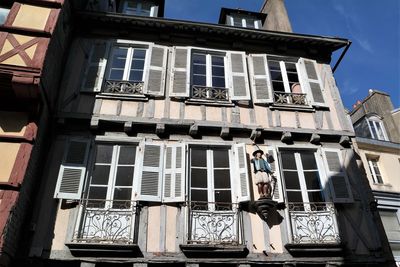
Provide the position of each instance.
(153, 130)
(376, 125)
(31, 38)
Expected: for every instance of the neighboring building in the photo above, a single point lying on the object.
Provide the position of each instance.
(154, 127)
(31, 42)
(376, 125)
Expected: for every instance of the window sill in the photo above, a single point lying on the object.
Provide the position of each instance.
(379, 184)
(193, 101)
(104, 250)
(314, 250)
(214, 251)
(122, 96)
(290, 107)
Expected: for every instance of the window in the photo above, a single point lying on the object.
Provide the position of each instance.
(139, 8)
(210, 179)
(285, 80)
(244, 21)
(391, 224)
(374, 169)
(377, 128)
(3, 14)
(127, 64)
(301, 176)
(208, 76)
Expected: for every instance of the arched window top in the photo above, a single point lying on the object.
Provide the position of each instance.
(376, 127)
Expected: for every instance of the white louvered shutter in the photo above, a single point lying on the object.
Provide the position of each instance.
(241, 177)
(180, 77)
(337, 177)
(238, 80)
(260, 79)
(311, 81)
(73, 169)
(156, 70)
(277, 186)
(96, 66)
(174, 173)
(151, 173)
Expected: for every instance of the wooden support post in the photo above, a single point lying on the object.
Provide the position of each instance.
(344, 141)
(128, 126)
(194, 130)
(286, 137)
(160, 128)
(94, 123)
(224, 132)
(315, 138)
(255, 134)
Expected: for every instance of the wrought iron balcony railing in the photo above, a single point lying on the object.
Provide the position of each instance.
(290, 98)
(123, 87)
(214, 223)
(210, 93)
(313, 223)
(105, 222)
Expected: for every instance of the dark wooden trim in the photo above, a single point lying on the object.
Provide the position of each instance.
(44, 3)
(21, 164)
(3, 37)
(40, 54)
(24, 31)
(12, 14)
(52, 20)
(8, 200)
(15, 139)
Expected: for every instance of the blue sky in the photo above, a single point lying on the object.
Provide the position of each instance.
(373, 60)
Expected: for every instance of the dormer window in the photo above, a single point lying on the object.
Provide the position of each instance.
(139, 8)
(376, 128)
(241, 18)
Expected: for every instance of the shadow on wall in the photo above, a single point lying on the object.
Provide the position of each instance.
(12, 122)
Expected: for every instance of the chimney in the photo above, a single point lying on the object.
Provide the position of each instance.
(277, 17)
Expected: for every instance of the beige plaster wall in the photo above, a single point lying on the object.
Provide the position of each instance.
(60, 229)
(9, 153)
(32, 17)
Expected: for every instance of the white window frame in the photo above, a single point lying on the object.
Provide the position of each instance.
(153, 8)
(128, 62)
(210, 175)
(375, 122)
(371, 160)
(209, 54)
(231, 22)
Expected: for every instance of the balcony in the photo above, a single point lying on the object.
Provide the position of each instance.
(123, 87)
(215, 230)
(290, 98)
(313, 228)
(209, 93)
(106, 226)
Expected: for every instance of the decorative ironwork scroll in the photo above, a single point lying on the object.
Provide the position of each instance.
(209, 93)
(213, 223)
(105, 221)
(290, 98)
(123, 87)
(313, 223)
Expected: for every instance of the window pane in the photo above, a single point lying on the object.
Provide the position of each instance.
(100, 175)
(293, 77)
(198, 157)
(136, 76)
(312, 180)
(250, 23)
(97, 192)
(221, 158)
(118, 63)
(127, 155)
(198, 195)
(218, 82)
(124, 176)
(294, 196)
(278, 86)
(276, 75)
(222, 179)
(288, 161)
(315, 196)
(199, 80)
(198, 178)
(137, 64)
(122, 193)
(199, 69)
(116, 74)
(217, 61)
(218, 71)
(199, 59)
(290, 67)
(308, 161)
(291, 180)
(103, 153)
(274, 65)
(139, 53)
(223, 196)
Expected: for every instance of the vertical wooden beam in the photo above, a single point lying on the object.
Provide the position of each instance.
(203, 111)
(252, 116)
(248, 234)
(318, 119)
(277, 118)
(140, 108)
(119, 107)
(297, 119)
(142, 231)
(269, 117)
(97, 106)
(150, 108)
(224, 116)
(328, 119)
(235, 117)
(182, 110)
(163, 227)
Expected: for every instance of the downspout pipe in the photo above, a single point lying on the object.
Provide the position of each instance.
(341, 56)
